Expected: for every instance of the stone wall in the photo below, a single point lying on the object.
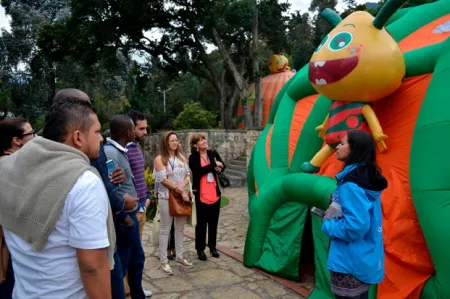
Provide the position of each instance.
(230, 144)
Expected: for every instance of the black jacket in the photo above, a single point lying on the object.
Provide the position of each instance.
(198, 171)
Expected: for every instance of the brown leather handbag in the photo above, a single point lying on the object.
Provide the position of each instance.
(177, 206)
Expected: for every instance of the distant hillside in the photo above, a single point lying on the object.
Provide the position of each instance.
(372, 5)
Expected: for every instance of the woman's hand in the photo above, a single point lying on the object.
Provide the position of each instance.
(179, 189)
(219, 164)
(185, 197)
(325, 216)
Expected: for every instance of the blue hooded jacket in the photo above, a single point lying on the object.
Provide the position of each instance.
(356, 240)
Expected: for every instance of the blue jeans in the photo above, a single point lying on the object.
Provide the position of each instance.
(6, 288)
(132, 256)
(117, 288)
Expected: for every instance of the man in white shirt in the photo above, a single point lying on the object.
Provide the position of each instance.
(55, 210)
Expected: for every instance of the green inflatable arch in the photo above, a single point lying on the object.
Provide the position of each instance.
(280, 195)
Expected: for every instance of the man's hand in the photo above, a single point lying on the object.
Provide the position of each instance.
(128, 221)
(130, 201)
(117, 176)
(147, 202)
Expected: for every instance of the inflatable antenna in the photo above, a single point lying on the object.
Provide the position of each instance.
(388, 9)
(331, 16)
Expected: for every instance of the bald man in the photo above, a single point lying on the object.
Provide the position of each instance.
(68, 93)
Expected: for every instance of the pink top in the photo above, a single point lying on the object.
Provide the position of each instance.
(208, 192)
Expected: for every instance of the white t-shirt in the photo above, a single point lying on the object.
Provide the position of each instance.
(53, 273)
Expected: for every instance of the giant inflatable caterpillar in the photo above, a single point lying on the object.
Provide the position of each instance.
(402, 73)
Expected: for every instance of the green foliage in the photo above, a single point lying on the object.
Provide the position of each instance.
(150, 181)
(301, 40)
(322, 27)
(5, 100)
(98, 27)
(194, 116)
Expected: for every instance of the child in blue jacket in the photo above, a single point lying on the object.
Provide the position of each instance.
(356, 255)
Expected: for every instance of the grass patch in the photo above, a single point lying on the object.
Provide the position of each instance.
(224, 202)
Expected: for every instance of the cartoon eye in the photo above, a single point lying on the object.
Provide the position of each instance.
(340, 41)
(322, 43)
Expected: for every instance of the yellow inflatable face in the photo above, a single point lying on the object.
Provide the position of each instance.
(356, 62)
(278, 64)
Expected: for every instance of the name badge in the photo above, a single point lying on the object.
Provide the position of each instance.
(210, 178)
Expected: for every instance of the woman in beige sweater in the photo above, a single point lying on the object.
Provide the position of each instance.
(14, 133)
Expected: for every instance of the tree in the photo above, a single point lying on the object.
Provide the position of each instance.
(321, 27)
(255, 64)
(194, 116)
(5, 101)
(27, 18)
(186, 28)
(301, 39)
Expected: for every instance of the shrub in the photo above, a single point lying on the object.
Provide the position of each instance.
(150, 181)
(194, 116)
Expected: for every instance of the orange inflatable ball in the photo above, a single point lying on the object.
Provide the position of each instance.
(270, 86)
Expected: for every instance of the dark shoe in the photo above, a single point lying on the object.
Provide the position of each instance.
(171, 257)
(201, 255)
(215, 253)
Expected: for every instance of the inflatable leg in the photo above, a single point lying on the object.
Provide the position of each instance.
(300, 187)
(317, 161)
(429, 175)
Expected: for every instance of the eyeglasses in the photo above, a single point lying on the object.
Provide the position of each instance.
(28, 134)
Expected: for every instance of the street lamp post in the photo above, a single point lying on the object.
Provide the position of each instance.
(164, 97)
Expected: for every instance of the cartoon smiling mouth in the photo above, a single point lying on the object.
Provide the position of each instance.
(283, 68)
(330, 71)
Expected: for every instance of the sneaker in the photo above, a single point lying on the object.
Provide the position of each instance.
(166, 268)
(185, 263)
(148, 293)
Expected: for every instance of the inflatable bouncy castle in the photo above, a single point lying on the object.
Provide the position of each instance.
(389, 75)
(270, 86)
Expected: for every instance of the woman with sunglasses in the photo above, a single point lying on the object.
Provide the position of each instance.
(14, 133)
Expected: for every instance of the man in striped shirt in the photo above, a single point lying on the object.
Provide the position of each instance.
(137, 164)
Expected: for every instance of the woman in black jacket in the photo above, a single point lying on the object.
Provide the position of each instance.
(204, 165)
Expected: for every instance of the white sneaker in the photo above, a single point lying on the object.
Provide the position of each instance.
(148, 293)
(166, 268)
(185, 263)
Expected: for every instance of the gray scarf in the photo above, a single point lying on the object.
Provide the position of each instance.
(35, 182)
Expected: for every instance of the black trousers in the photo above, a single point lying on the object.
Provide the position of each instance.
(207, 217)
(171, 243)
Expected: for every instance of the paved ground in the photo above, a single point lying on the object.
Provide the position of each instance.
(224, 277)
